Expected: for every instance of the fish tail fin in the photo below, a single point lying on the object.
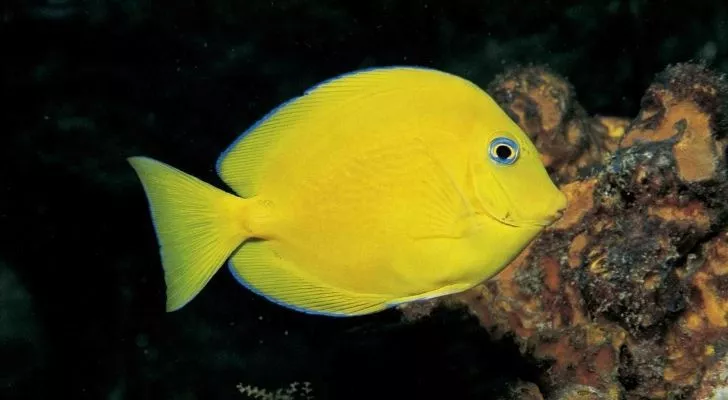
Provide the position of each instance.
(198, 226)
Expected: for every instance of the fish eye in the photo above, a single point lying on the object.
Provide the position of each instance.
(503, 150)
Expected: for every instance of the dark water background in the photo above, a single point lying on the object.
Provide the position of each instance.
(87, 83)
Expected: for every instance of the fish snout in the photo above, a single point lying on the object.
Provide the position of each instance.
(558, 208)
(548, 213)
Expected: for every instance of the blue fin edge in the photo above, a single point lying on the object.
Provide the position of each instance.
(241, 136)
(250, 287)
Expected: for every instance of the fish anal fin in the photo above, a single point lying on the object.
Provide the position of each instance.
(258, 267)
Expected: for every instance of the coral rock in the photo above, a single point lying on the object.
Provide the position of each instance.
(627, 295)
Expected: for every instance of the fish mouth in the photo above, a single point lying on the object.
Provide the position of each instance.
(508, 219)
(537, 223)
(480, 208)
(546, 222)
(525, 223)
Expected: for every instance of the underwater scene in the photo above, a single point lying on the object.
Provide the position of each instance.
(414, 199)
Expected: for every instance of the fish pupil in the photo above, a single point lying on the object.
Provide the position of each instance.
(503, 152)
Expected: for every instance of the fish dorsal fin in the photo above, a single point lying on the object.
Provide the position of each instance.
(260, 268)
(240, 166)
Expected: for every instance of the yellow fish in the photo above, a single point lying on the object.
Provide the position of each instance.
(372, 189)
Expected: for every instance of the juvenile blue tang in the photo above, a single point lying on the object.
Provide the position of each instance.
(372, 189)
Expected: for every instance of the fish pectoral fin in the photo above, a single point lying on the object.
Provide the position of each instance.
(258, 267)
(442, 208)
